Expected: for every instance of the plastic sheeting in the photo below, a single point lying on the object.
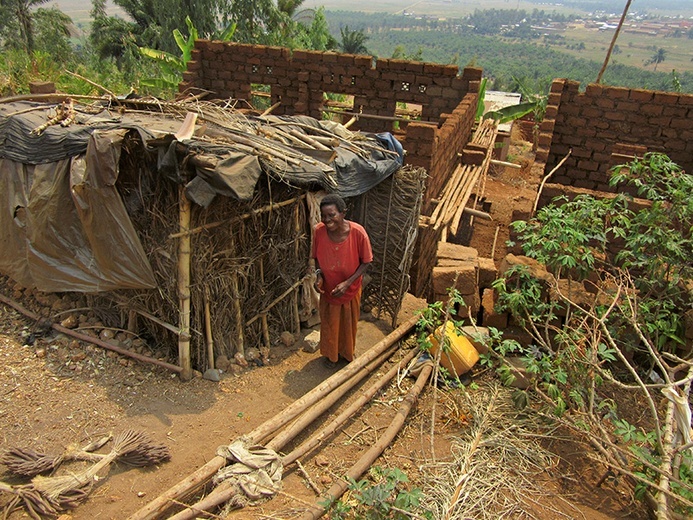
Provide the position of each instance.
(64, 225)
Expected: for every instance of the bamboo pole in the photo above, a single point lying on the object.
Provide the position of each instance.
(338, 488)
(271, 109)
(263, 316)
(238, 218)
(90, 339)
(184, 287)
(239, 339)
(198, 478)
(297, 232)
(320, 436)
(224, 491)
(380, 118)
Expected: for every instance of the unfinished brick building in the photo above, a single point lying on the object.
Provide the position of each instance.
(601, 127)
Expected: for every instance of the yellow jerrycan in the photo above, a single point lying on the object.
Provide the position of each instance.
(462, 355)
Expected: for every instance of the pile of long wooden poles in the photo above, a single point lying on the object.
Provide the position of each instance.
(465, 180)
(304, 410)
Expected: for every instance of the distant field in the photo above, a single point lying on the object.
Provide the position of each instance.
(634, 49)
(454, 8)
(79, 10)
(442, 8)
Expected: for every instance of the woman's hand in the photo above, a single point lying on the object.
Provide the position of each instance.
(340, 289)
(318, 283)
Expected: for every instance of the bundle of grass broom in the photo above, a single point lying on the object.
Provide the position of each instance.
(47, 496)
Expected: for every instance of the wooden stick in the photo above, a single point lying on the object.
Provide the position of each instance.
(264, 209)
(275, 302)
(477, 213)
(197, 479)
(90, 339)
(380, 118)
(308, 140)
(306, 476)
(506, 164)
(100, 87)
(239, 338)
(263, 316)
(184, 287)
(543, 181)
(337, 490)
(208, 333)
(271, 109)
(132, 321)
(493, 247)
(53, 97)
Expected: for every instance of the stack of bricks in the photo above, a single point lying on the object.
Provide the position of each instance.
(299, 79)
(602, 121)
(436, 149)
(461, 268)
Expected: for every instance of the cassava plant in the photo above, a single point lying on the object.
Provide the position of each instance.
(613, 313)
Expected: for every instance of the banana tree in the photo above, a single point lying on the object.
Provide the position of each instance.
(172, 67)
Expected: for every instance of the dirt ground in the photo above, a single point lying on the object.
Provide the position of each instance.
(56, 392)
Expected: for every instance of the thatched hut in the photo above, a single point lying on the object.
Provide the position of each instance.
(193, 220)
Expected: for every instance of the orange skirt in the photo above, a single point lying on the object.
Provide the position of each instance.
(338, 328)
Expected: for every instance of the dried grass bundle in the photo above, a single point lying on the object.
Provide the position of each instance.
(26, 462)
(46, 497)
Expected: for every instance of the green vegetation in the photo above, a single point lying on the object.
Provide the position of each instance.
(383, 495)
(624, 335)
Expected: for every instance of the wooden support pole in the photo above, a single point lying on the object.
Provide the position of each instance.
(208, 334)
(197, 479)
(132, 321)
(184, 287)
(211, 225)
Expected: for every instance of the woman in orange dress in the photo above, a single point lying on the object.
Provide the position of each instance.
(342, 253)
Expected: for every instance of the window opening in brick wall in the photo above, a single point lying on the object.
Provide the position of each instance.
(260, 96)
(337, 106)
(405, 112)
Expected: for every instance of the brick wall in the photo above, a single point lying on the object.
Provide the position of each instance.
(299, 79)
(604, 125)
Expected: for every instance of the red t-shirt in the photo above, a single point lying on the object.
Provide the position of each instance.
(339, 260)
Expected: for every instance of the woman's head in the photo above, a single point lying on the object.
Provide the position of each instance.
(333, 200)
(332, 211)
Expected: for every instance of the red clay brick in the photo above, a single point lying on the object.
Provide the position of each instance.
(557, 86)
(641, 95)
(666, 98)
(617, 92)
(615, 116)
(594, 89)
